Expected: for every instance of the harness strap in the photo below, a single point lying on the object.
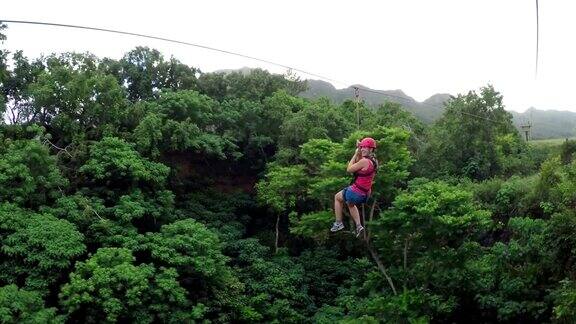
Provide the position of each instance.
(357, 175)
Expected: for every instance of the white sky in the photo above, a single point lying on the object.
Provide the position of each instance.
(420, 46)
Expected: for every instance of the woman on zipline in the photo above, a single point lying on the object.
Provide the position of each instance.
(363, 165)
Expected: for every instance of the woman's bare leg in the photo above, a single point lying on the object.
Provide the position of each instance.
(354, 213)
(338, 206)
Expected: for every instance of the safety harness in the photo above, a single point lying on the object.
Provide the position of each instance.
(357, 175)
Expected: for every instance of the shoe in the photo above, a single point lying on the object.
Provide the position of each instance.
(359, 230)
(336, 227)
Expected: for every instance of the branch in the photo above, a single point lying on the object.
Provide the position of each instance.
(406, 243)
(373, 252)
(372, 208)
(277, 234)
(381, 267)
(96, 213)
(58, 148)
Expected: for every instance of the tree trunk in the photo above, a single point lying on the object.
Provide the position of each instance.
(381, 267)
(373, 252)
(406, 243)
(277, 234)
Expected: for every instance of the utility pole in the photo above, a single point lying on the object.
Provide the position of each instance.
(526, 129)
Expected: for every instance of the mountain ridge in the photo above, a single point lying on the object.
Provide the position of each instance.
(546, 124)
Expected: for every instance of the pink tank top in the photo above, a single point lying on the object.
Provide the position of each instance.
(364, 180)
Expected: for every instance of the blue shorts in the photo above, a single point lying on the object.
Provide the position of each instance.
(352, 196)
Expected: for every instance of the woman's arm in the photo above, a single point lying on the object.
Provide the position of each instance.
(356, 162)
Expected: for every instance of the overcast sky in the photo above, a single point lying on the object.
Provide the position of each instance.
(420, 46)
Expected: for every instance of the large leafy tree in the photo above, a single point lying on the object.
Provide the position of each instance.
(313, 121)
(22, 306)
(509, 278)
(29, 175)
(15, 86)
(184, 121)
(121, 192)
(109, 287)
(196, 253)
(254, 84)
(463, 140)
(114, 160)
(73, 100)
(36, 248)
(145, 73)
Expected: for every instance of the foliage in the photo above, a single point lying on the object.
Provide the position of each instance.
(184, 120)
(114, 160)
(22, 306)
(75, 100)
(462, 144)
(108, 287)
(143, 190)
(36, 248)
(29, 175)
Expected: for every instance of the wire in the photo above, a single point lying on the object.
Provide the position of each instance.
(208, 48)
(482, 117)
(229, 53)
(171, 41)
(397, 97)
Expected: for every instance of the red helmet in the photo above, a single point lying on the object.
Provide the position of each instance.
(368, 142)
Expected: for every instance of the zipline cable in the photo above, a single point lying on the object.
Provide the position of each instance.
(357, 89)
(167, 40)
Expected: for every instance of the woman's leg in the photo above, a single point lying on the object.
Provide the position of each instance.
(338, 206)
(354, 213)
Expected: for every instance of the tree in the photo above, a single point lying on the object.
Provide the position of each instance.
(71, 98)
(2, 27)
(567, 151)
(36, 248)
(312, 122)
(280, 190)
(114, 160)
(463, 140)
(29, 175)
(184, 121)
(146, 73)
(15, 86)
(109, 287)
(276, 288)
(3, 72)
(22, 306)
(511, 277)
(140, 73)
(426, 240)
(196, 253)
(255, 84)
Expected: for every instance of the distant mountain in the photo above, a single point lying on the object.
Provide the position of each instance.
(547, 123)
(244, 71)
(428, 111)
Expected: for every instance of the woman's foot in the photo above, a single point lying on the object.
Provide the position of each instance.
(336, 227)
(359, 230)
